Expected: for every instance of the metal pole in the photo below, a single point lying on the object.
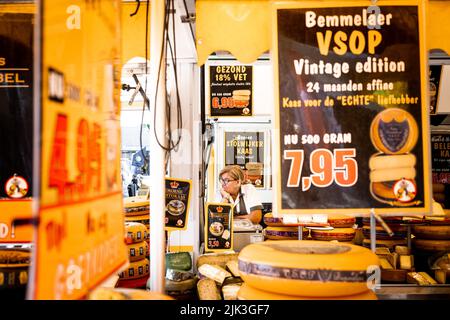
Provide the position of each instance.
(373, 235)
(157, 168)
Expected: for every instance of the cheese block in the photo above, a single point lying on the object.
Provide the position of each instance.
(386, 243)
(431, 245)
(181, 286)
(207, 290)
(385, 265)
(136, 270)
(144, 219)
(438, 221)
(135, 232)
(340, 234)
(284, 233)
(341, 221)
(406, 262)
(420, 278)
(125, 294)
(247, 292)
(178, 275)
(233, 267)
(402, 250)
(394, 131)
(400, 232)
(179, 261)
(306, 267)
(213, 272)
(230, 291)
(137, 251)
(219, 259)
(438, 232)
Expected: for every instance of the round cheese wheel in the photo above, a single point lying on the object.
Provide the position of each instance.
(340, 234)
(392, 221)
(386, 243)
(135, 232)
(272, 221)
(133, 283)
(392, 174)
(306, 268)
(137, 269)
(438, 221)
(126, 294)
(341, 221)
(137, 251)
(284, 233)
(144, 219)
(400, 232)
(136, 206)
(432, 232)
(431, 245)
(394, 131)
(14, 265)
(382, 161)
(247, 292)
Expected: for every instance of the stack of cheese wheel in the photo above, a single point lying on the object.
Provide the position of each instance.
(343, 229)
(136, 275)
(298, 269)
(14, 265)
(277, 230)
(392, 170)
(137, 209)
(433, 237)
(439, 194)
(383, 239)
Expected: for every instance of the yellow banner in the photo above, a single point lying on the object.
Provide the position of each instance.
(81, 231)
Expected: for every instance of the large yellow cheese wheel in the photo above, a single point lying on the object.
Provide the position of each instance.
(381, 161)
(126, 294)
(341, 221)
(400, 232)
(137, 251)
(144, 219)
(135, 232)
(137, 269)
(284, 233)
(394, 131)
(432, 232)
(339, 234)
(136, 206)
(386, 243)
(247, 292)
(306, 267)
(432, 245)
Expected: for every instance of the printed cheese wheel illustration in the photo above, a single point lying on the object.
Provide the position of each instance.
(284, 233)
(431, 245)
(394, 131)
(247, 292)
(306, 267)
(383, 162)
(135, 232)
(432, 232)
(341, 221)
(136, 270)
(137, 251)
(339, 234)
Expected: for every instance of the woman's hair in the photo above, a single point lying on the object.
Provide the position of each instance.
(234, 171)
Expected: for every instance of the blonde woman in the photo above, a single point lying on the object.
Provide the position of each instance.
(242, 196)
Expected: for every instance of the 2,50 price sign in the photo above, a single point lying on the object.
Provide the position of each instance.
(325, 166)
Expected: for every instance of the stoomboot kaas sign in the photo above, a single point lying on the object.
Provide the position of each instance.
(351, 108)
(80, 239)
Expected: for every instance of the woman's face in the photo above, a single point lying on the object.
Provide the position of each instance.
(229, 184)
